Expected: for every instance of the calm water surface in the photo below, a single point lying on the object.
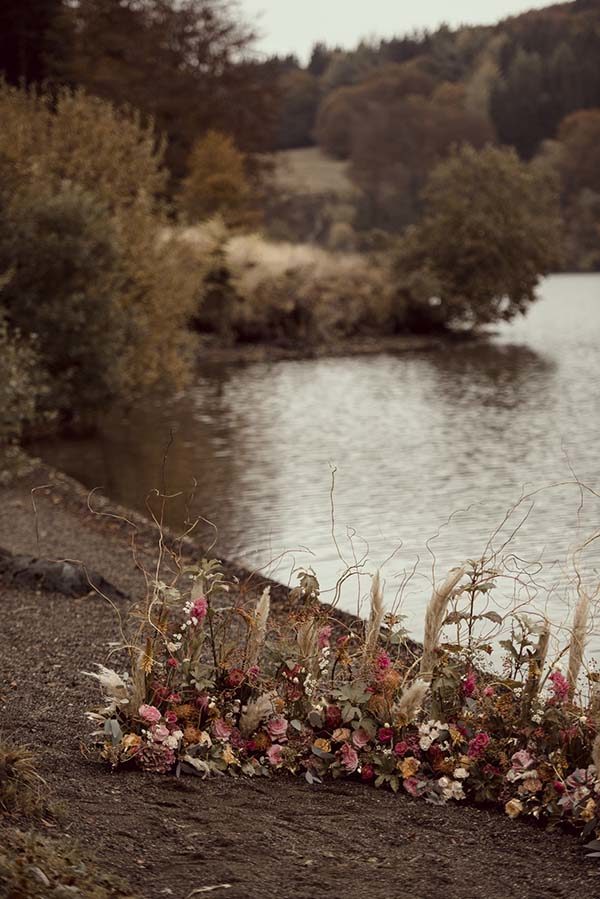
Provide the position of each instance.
(415, 438)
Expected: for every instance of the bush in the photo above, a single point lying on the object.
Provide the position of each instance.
(21, 387)
(67, 277)
(300, 292)
(84, 218)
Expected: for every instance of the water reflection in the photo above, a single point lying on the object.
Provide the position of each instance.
(414, 437)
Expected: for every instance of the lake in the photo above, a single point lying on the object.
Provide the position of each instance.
(430, 449)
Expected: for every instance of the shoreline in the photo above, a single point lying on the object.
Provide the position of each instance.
(211, 353)
(262, 837)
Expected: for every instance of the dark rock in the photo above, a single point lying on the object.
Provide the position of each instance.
(70, 578)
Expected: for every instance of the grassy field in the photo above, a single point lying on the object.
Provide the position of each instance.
(308, 170)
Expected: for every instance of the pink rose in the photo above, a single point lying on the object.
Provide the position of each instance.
(277, 728)
(349, 758)
(149, 713)
(478, 745)
(275, 754)
(360, 738)
(171, 718)
(385, 734)
(368, 773)
(324, 636)
(401, 748)
(521, 760)
(159, 732)
(221, 730)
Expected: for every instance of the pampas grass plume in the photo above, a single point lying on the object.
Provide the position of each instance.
(578, 640)
(259, 632)
(411, 701)
(434, 618)
(257, 711)
(375, 617)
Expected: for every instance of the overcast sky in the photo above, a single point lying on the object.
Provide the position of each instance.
(293, 26)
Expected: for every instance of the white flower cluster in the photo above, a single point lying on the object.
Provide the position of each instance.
(324, 659)
(451, 789)
(429, 733)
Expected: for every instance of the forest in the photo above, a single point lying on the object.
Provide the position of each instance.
(390, 110)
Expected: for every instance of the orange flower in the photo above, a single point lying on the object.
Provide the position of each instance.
(322, 744)
(186, 712)
(341, 734)
(408, 767)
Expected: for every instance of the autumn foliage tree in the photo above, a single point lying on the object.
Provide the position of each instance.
(489, 230)
(216, 182)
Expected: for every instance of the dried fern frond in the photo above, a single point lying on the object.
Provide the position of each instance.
(578, 640)
(411, 702)
(375, 618)
(434, 618)
(256, 712)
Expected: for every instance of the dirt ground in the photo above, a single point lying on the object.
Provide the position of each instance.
(252, 839)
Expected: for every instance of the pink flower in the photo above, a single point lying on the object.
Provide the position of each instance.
(221, 730)
(489, 691)
(385, 734)
(360, 738)
(559, 786)
(199, 609)
(171, 718)
(469, 684)
(349, 758)
(560, 687)
(172, 663)
(413, 785)
(174, 697)
(324, 636)
(235, 677)
(156, 757)
(149, 713)
(367, 773)
(254, 671)
(478, 745)
(275, 754)
(202, 702)
(383, 661)
(277, 728)
(159, 732)
(401, 748)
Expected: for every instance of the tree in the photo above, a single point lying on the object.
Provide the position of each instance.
(299, 100)
(29, 33)
(185, 63)
(216, 182)
(490, 228)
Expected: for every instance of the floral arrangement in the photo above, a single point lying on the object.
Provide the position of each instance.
(214, 687)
